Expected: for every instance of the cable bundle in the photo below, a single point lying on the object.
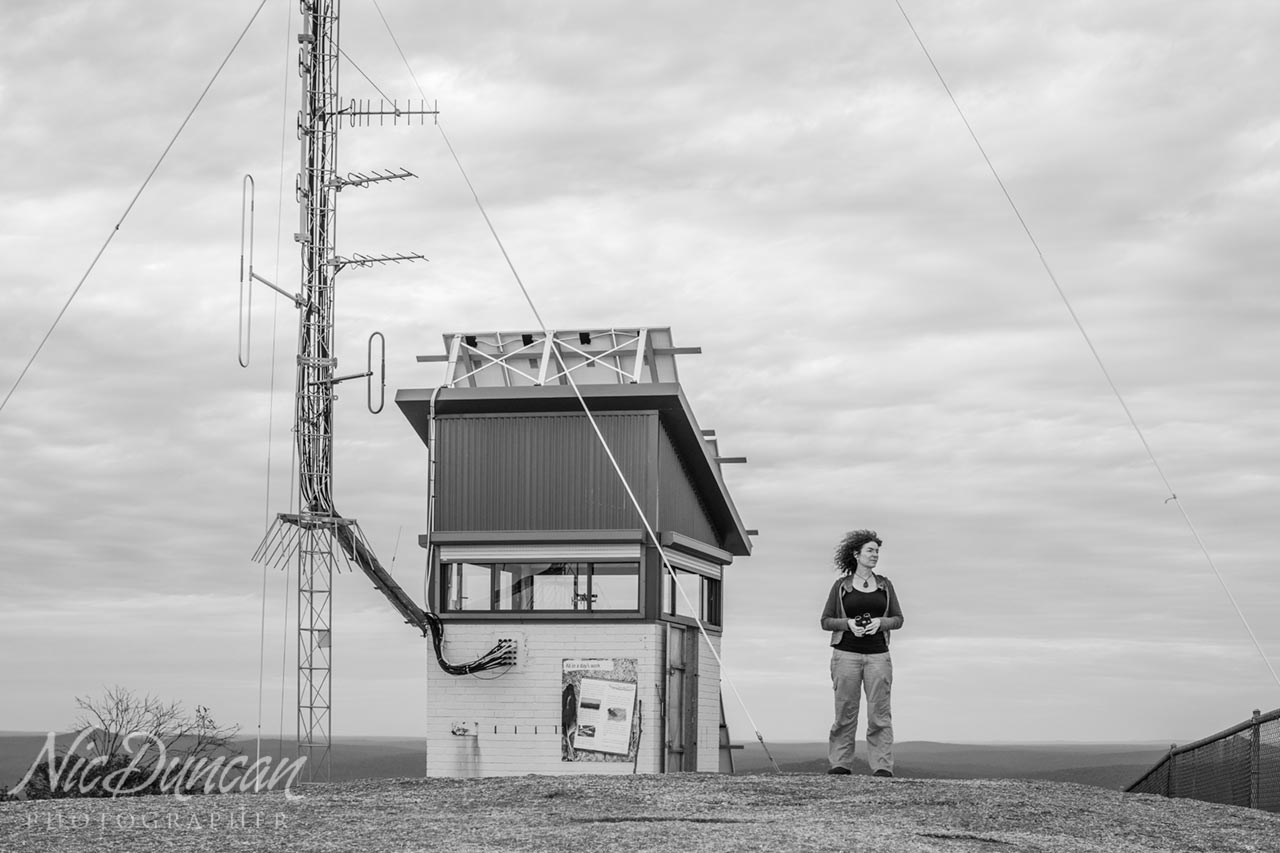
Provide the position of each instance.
(358, 551)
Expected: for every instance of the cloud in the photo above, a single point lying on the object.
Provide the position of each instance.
(792, 192)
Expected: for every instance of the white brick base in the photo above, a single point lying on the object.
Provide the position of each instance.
(509, 724)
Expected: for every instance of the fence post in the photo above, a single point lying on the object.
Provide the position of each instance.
(1255, 761)
(1168, 789)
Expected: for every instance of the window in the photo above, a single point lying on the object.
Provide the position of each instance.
(542, 587)
(711, 601)
(700, 591)
(616, 586)
(468, 586)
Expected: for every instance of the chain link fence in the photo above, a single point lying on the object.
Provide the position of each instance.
(1237, 767)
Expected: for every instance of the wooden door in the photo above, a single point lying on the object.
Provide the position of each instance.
(680, 706)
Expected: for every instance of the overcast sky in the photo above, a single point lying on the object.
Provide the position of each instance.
(786, 186)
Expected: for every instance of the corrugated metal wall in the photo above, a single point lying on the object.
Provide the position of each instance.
(540, 471)
(681, 510)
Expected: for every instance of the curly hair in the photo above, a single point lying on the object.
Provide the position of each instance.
(850, 545)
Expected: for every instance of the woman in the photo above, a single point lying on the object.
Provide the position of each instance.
(861, 611)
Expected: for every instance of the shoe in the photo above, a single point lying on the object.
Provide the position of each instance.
(839, 771)
(884, 773)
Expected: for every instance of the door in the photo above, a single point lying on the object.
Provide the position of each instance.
(680, 712)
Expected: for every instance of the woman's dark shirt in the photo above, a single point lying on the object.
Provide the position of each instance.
(857, 602)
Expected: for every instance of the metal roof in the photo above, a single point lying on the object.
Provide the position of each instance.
(665, 398)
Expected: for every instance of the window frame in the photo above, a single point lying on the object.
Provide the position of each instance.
(497, 591)
(709, 598)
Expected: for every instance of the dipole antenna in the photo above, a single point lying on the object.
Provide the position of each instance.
(317, 536)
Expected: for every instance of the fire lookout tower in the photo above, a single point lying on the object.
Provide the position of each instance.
(533, 537)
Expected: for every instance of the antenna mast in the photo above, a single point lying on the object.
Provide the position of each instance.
(320, 537)
(317, 536)
(318, 123)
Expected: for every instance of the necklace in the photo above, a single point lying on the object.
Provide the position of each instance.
(863, 581)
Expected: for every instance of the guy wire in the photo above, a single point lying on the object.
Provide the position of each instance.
(582, 401)
(271, 397)
(1092, 349)
(116, 229)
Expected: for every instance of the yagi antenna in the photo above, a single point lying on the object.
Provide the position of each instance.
(359, 179)
(361, 113)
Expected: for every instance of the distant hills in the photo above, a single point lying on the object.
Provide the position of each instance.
(352, 757)
(1111, 766)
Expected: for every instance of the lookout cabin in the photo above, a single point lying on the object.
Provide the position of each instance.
(533, 535)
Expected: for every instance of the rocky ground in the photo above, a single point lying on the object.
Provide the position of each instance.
(689, 812)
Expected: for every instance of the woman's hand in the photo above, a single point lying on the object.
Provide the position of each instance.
(856, 629)
(873, 626)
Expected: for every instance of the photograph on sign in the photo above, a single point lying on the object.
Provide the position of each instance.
(600, 716)
(604, 715)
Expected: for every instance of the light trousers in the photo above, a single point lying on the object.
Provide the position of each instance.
(851, 675)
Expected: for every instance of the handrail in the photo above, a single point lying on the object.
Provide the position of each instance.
(1206, 774)
(1228, 732)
